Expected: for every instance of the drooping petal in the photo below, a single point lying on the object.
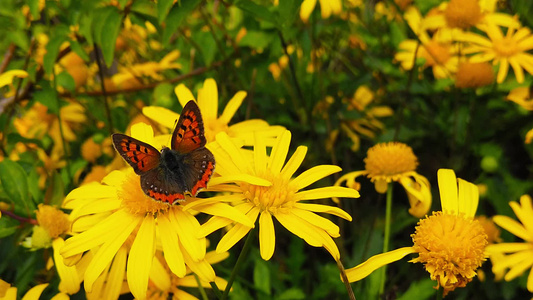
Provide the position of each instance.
(236, 233)
(171, 246)
(213, 224)
(448, 191)
(267, 236)
(8, 76)
(324, 209)
(140, 258)
(232, 106)
(201, 268)
(318, 221)
(314, 174)
(375, 262)
(70, 282)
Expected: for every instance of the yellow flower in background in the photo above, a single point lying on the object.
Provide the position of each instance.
(164, 284)
(474, 75)
(369, 123)
(7, 78)
(515, 258)
(522, 96)
(506, 50)
(327, 8)
(7, 292)
(393, 161)
(105, 216)
(213, 124)
(262, 187)
(450, 243)
(464, 14)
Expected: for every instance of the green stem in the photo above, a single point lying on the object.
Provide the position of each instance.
(245, 249)
(386, 237)
(200, 287)
(216, 290)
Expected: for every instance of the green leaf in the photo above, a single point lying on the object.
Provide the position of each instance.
(48, 97)
(262, 276)
(258, 11)
(34, 8)
(65, 80)
(8, 226)
(109, 35)
(15, 184)
(56, 190)
(57, 37)
(292, 294)
(15, 137)
(20, 39)
(33, 186)
(176, 16)
(76, 47)
(422, 289)
(163, 95)
(256, 39)
(288, 11)
(163, 7)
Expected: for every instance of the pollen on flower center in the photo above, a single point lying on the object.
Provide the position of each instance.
(389, 161)
(463, 13)
(506, 47)
(135, 200)
(451, 248)
(52, 220)
(275, 198)
(435, 53)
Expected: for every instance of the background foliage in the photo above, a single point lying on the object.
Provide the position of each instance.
(56, 122)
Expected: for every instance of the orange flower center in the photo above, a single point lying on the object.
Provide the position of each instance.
(506, 47)
(463, 13)
(275, 198)
(435, 53)
(390, 161)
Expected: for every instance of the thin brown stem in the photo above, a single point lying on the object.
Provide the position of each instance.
(351, 295)
(18, 218)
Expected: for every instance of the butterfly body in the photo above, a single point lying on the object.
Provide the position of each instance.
(185, 168)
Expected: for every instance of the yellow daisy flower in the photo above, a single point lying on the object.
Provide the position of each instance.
(7, 292)
(105, 216)
(393, 161)
(208, 104)
(516, 257)
(263, 188)
(522, 96)
(503, 50)
(450, 243)
(327, 8)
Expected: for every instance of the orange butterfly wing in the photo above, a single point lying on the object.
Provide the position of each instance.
(189, 132)
(139, 155)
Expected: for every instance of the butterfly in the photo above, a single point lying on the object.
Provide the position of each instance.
(184, 168)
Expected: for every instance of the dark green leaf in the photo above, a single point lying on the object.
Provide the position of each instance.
(8, 226)
(422, 289)
(262, 276)
(109, 35)
(14, 137)
(176, 16)
(48, 97)
(20, 39)
(163, 7)
(15, 184)
(256, 10)
(257, 39)
(65, 80)
(33, 186)
(288, 11)
(34, 8)
(99, 17)
(57, 190)
(292, 294)
(76, 47)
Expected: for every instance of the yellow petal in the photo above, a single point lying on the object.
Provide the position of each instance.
(375, 262)
(141, 257)
(260, 155)
(208, 100)
(468, 198)
(508, 247)
(232, 106)
(314, 174)
(115, 278)
(70, 283)
(213, 224)
(306, 9)
(7, 77)
(241, 177)
(159, 276)
(35, 292)
(161, 115)
(294, 162)
(317, 221)
(189, 226)
(324, 209)
(184, 95)
(524, 211)
(279, 152)
(326, 192)
(201, 268)
(143, 132)
(61, 296)
(231, 149)
(267, 236)
(117, 224)
(171, 246)
(107, 251)
(226, 211)
(448, 190)
(512, 226)
(418, 193)
(231, 238)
